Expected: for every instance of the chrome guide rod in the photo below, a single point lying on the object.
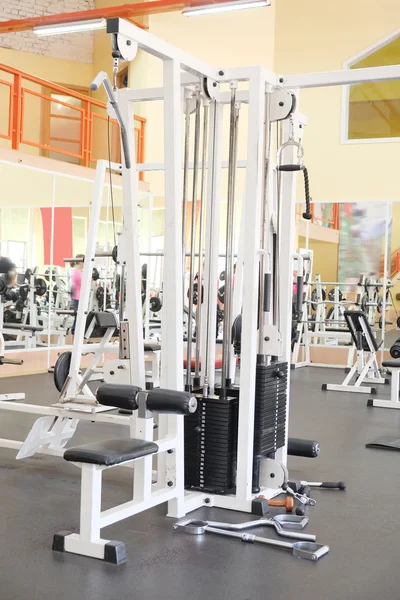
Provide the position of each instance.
(200, 244)
(185, 187)
(234, 116)
(193, 241)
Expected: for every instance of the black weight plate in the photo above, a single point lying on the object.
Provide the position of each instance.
(40, 286)
(379, 306)
(115, 254)
(28, 274)
(61, 369)
(19, 305)
(155, 304)
(398, 322)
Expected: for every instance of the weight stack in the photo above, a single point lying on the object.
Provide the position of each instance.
(270, 413)
(211, 445)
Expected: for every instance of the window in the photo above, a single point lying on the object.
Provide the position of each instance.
(372, 110)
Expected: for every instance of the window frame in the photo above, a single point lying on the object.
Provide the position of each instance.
(347, 64)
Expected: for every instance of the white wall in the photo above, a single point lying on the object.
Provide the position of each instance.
(77, 46)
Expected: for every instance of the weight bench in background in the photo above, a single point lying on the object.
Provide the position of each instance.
(94, 458)
(394, 366)
(366, 370)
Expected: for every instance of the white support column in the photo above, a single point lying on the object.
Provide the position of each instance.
(77, 347)
(90, 502)
(211, 276)
(253, 200)
(172, 321)
(129, 253)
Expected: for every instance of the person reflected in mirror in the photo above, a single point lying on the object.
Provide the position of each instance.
(76, 284)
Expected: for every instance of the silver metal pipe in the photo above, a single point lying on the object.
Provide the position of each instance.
(201, 235)
(185, 190)
(267, 151)
(234, 116)
(211, 223)
(193, 240)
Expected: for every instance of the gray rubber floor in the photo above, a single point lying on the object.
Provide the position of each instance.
(40, 496)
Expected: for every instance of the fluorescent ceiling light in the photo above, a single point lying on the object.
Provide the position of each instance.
(224, 7)
(62, 28)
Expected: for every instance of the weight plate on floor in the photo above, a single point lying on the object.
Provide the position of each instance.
(61, 369)
(272, 473)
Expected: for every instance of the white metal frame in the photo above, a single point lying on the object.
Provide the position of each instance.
(394, 401)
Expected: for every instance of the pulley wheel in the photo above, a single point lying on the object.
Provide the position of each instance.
(61, 369)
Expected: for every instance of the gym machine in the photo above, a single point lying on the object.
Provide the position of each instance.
(266, 334)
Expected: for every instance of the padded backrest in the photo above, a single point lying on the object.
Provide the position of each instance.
(357, 323)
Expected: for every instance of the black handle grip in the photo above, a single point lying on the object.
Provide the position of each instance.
(306, 490)
(267, 292)
(308, 214)
(299, 293)
(171, 402)
(290, 168)
(335, 485)
(120, 396)
(305, 448)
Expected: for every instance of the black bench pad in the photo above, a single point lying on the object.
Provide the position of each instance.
(110, 452)
(151, 346)
(22, 327)
(394, 364)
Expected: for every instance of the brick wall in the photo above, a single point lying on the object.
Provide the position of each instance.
(76, 46)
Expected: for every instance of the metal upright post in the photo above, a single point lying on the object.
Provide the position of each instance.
(172, 326)
(129, 252)
(188, 98)
(253, 204)
(77, 348)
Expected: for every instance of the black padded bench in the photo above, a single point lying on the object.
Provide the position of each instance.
(110, 452)
(95, 457)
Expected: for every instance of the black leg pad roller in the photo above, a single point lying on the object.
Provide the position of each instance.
(120, 396)
(171, 402)
(305, 448)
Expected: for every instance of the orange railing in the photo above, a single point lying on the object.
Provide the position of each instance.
(86, 118)
(394, 263)
(317, 220)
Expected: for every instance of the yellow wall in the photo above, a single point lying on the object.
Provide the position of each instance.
(53, 69)
(319, 36)
(325, 258)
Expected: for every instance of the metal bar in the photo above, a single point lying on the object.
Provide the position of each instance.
(343, 77)
(229, 242)
(193, 242)
(17, 112)
(185, 189)
(200, 270)
(161, 49)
